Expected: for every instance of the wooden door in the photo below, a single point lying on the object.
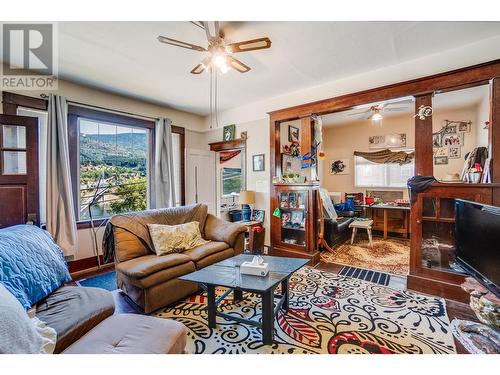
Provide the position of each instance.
(18, 170)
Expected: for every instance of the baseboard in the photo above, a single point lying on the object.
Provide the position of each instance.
(85, 264)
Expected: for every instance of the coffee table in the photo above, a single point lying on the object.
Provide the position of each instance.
(227, 274)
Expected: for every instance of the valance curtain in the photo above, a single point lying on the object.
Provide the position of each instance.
(60, 213)
(228, 155)
(164, 190)
(387, 156)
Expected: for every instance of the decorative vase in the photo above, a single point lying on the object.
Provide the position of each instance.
(474, 177)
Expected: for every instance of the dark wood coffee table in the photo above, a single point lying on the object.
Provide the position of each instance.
(227, 274)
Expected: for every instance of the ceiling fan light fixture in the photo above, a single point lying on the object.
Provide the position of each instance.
(219, 60)
(377, 116)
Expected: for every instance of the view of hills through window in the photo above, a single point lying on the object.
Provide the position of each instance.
(118, 155)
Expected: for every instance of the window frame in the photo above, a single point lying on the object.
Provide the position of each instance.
(75, 113)
(385, 177)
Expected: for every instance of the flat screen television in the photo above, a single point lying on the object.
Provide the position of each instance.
(477, 240)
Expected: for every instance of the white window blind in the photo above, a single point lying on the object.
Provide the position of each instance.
(369, 174)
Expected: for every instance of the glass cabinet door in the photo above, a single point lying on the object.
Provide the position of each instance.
(438, 234)
(293, 206)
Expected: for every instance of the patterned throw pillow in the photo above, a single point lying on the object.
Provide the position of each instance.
(168, 239)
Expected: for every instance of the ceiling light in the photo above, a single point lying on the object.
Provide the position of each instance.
(377, 116)
(220, 61)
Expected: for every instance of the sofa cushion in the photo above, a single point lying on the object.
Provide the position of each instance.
(168, 239)
(128, 245)
(205, 250)
(214, 258)
(73, 311)
(158, 277)
(133, 334)
(150, 264)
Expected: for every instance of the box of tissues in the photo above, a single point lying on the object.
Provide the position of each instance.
(256, 267)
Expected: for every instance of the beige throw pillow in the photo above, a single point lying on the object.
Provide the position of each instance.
(169, 239)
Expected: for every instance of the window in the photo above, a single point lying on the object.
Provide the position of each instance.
(369, 174)
(231, 181)
(118, 157)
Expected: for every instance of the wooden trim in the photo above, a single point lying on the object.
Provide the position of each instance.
(423, 148)
(494, 131)
(85, 224)
(104, 116)
(441, 81)
(228, 145)
(11, 101)
(85, 264)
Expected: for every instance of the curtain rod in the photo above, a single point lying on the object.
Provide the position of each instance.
(45, 96)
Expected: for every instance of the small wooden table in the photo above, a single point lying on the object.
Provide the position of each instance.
(251, 243)
(362, 224)
(385, 207)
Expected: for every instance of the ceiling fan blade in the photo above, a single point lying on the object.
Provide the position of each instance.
(204, 65)
(249, 45)
(237, 65)
(178, 43)
(359, 113)
(395, 109)
(198, 69)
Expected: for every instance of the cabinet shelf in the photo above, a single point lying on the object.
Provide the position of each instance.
(439, 219)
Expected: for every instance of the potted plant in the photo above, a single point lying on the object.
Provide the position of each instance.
(475, 173)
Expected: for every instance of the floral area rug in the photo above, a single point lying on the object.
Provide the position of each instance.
(328, 314)
(391, 255)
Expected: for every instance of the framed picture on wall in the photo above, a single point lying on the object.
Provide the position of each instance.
(396, 140)
(258, 215)
(464, 127)
(228, 132)
(441, 160)
(293, 134)
(436, 140)
(454, 152)
(451, 139)
(258, 162)
(339, 166)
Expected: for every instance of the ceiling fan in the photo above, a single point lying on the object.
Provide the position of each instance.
(374, 112)
(219, 53)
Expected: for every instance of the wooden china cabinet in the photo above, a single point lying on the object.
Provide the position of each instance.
(295, 232)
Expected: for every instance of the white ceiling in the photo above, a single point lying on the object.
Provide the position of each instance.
(465, 98)
(126, 58)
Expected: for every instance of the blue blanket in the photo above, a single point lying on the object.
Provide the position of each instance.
(31, 265)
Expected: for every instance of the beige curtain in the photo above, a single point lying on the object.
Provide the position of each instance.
(60, 213)
(387, 156)
(164, 187)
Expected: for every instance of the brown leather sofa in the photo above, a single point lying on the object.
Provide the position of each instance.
(152, 281)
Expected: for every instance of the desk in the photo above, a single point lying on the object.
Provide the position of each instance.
(404, 229)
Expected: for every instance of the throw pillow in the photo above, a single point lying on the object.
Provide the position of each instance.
(31, 264)
(169, 239)
(18, 333)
